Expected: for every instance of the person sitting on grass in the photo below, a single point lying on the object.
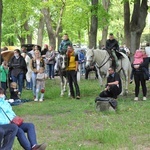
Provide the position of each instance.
(40, 84)
(28, 142)
(14, 91)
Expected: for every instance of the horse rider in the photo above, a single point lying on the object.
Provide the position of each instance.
(64, 44)
(112, 47)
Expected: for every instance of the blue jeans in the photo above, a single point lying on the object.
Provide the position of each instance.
(4, 86)
(29, 84)
(7, 135)
(51, 70)
(33, 77)
(27, 141)
(19, 80)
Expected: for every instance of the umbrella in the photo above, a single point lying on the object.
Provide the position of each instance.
(6, 55)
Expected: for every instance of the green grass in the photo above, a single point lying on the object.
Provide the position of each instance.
(70, 124)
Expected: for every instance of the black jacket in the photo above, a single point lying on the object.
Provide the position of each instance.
(112, 44)
(17, 66)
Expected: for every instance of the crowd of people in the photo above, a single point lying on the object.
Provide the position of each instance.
(35, 66)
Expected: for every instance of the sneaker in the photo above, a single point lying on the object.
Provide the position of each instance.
(131, 81)
(35, 99)
(39, 147)
(78, 97)
(144, 98)
(41, 100)
(72, 97)
(136, 99)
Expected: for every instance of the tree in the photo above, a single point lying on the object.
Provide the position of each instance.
(106, 5)
(40, 31)
(93, 24)
(53, 26)
(1, 11)
(135, 26)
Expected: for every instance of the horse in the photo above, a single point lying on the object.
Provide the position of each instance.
(103, 62)
(60, 66)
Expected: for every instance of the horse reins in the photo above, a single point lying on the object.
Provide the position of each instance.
(102, 61)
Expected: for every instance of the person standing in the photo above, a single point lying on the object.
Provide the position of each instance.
(81, 61)
(18, 69)
(43, 54)
(4, 75)
(36, 63)
(147, 51)
(112, 47)
(139, 78)
(113, 86)
(40, 84)
(64, 44)
(72, 69)
(91, 68)
(50, 61)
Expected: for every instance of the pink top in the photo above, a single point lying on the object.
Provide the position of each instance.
(138, 57)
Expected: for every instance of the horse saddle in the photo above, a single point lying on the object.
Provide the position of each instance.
(119, 55)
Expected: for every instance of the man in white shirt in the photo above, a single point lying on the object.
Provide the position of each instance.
(147, 50)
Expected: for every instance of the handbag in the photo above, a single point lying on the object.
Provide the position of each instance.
(111, 101)
(16, 120)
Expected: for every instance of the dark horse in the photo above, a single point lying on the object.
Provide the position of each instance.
(60, 66)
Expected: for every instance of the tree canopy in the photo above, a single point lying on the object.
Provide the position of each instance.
(39, 21)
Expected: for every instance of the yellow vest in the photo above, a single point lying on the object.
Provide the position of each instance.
(72, 62)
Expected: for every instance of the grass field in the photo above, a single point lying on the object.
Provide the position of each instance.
(70, 124)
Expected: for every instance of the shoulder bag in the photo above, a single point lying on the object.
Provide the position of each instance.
(16, 120)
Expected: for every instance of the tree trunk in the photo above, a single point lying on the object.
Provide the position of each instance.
(29, 39)
(59, 37)
(93, 25)
(106, 5)
(127, 35)
(29, 35)
(1, 11)
(52, 34)
(79, 37)
(22, 40)
(50, 30)
(40, 31)
(104, 37)
(138, 22)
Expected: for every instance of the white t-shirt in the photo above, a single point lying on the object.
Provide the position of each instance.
(147, 50)
(37, 64)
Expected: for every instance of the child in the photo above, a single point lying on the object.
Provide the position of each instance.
(138, 59)
(40, 84)
(14, 91)
(4, 75)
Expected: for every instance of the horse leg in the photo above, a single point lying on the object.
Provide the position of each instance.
(126, 82)
(69, 94)
(65, 85)
(62, 86)
(99, 77)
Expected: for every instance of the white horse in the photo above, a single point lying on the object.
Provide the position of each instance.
(103, 62)
(60, 66)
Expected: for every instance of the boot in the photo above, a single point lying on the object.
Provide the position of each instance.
(115, 57)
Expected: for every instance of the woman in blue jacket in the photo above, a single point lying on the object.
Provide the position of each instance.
(28, 142)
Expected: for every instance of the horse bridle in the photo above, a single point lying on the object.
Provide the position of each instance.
(103, 63)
